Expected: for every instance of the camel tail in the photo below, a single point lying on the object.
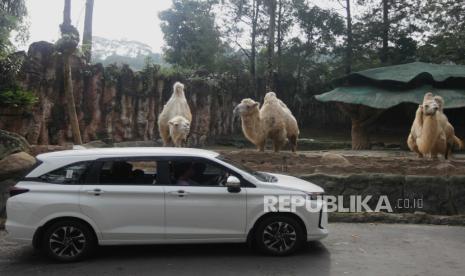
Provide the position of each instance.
(459, 142)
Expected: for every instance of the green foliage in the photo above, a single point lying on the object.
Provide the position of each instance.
(112, 74)
(11, 94)
(191, 36)
(12, 14)
(445, 20)
(17, 98)
(176, 71)
(69, 39)
(137, 63)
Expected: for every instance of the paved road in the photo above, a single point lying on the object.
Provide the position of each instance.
(351, 249)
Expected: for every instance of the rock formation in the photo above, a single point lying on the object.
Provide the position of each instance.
(116, 104)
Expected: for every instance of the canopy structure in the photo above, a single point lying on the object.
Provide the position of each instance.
(363, 95)
(383, 98)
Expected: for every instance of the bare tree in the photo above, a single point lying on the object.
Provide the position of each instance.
(271, 43)
(248, 13)
(385, 34)
(67, 45)
(87, 35)
(67, 13)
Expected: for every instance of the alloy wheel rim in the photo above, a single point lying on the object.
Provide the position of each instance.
(67, 241)
(279, 236)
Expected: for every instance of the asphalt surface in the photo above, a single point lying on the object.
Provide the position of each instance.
(350, 249)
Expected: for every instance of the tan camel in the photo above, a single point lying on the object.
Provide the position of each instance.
(261, 124)
(427, 136)
(292, 128)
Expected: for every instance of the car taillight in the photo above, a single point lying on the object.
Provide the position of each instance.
(17, 191)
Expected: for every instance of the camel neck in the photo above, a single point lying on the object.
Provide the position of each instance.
(429, 133)
(251, 125)
(430, 124)
(178, 94)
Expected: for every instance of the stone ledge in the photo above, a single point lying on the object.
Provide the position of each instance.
(441, 195)
(415, 218)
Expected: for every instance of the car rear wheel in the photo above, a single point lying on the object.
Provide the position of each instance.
(68, 241)
(279, 235)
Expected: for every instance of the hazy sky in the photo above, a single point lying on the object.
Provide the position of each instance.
(114, 19)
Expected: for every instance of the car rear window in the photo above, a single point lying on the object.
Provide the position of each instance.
(70, 174)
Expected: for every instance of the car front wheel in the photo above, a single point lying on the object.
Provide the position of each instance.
(279, 235)
(68, 241)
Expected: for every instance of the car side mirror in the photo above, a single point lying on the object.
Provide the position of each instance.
(233, 184)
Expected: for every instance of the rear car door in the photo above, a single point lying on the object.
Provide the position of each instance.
(122, 197)
(198, 205)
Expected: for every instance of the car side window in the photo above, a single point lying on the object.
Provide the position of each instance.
(196, 173)
(70, 174)
(137, 172)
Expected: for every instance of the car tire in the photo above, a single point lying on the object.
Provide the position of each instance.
(279, 235)
(68, 241)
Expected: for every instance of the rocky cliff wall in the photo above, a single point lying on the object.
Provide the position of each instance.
(118, 104)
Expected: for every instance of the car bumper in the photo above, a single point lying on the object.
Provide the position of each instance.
(320, 234)
(19, 232)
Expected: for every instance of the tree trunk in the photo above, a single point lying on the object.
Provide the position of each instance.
(87, 35)
(349, 39)
(363, 118)
(360, 136)
(385, 34)
(279, 40)
(68, 81)
(67, 13)
(270, 48)
(253, 46)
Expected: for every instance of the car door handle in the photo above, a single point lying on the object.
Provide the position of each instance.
(95, 192)
(180, 193)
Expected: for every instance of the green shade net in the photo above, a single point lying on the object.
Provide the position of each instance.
(407, 72)
(381, 98)
(385, 87)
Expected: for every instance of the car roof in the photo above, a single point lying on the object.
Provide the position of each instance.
(95, 153)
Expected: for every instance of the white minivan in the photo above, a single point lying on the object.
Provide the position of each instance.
(74, 200)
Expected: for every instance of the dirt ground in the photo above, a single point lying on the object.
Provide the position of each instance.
(308, 162)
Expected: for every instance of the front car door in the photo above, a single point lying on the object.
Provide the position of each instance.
(198, 205)
(122, 197)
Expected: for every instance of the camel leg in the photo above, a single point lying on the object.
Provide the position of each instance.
(413, 146)
(276, 146)
(261, 146)
(293, 142)
(165, 135)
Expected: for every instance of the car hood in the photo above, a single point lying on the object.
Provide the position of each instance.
(292, 182)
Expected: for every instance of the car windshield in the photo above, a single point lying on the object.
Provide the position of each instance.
(261, 176)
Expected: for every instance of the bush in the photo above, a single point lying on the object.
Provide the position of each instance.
(17, 98)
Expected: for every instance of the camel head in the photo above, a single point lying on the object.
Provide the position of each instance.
(429, 106)
(180, 125)
(247, 107)
(440, 101)
(178, 89)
